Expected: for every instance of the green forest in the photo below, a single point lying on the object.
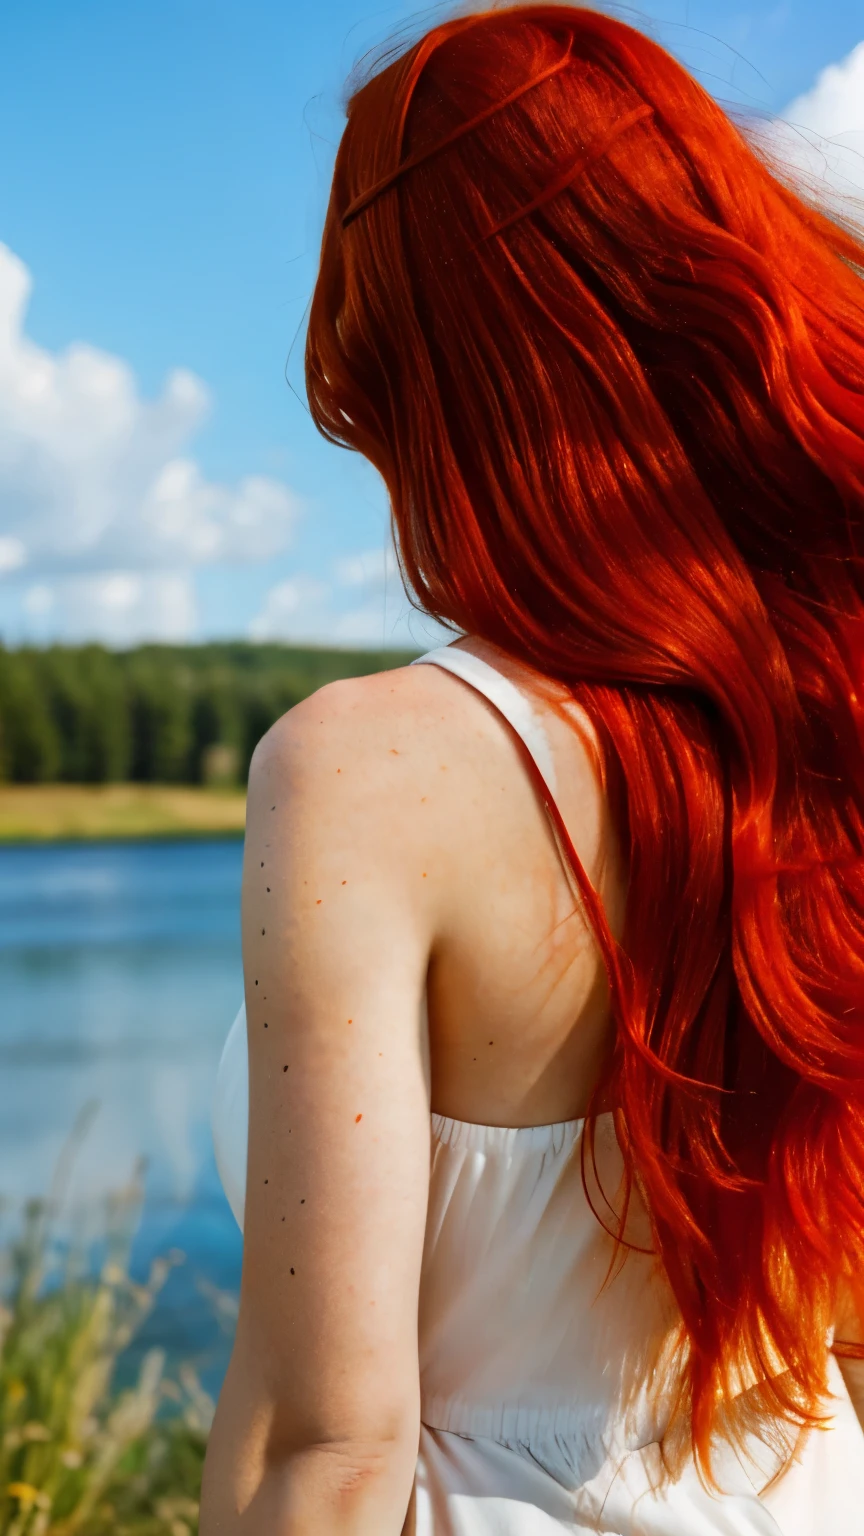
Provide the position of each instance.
(158, 714)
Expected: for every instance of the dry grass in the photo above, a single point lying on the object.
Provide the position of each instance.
(46, 812)
(78, 1456)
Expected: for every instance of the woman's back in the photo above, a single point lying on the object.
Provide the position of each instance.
(518, 1010)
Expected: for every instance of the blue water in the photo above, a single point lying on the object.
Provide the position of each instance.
(120, 975)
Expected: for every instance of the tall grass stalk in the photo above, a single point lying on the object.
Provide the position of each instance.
(78, 1455)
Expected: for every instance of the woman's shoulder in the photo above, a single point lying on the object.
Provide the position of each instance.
(393, 719)
(420, 758)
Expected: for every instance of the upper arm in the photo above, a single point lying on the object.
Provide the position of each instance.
(336, 934)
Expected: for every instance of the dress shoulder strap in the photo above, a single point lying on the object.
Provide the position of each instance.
(507, 698)
(516, 709)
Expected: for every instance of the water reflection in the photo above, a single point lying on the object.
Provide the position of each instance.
(119, 977)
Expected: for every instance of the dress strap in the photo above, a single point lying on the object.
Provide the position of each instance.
(516, 709)
(506, 697)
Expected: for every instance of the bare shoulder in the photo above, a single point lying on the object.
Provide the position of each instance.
(380, 732)
(381, 745)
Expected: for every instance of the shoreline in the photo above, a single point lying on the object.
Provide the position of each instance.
(33, 814)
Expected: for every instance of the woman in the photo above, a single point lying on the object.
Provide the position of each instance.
(590, 885)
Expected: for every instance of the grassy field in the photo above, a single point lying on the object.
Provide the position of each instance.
(43, 812)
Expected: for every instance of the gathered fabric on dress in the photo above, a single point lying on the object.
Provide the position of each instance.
(547, 1376)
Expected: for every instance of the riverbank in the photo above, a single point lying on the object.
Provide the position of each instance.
(35, 813)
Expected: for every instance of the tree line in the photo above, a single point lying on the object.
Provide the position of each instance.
(156, 714)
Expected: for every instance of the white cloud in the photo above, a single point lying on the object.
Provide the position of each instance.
(93, 478)
(119, 607)
(835, 104)
(12, 554)
(299, 600)
(374, 567)
(364, 604)
(819, 137)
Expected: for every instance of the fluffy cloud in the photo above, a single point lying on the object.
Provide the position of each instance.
(12, 554)
(293, 607)
(93, 478)
(374, 569)
(820, 135)
(119, 607)
(834, 106)
(363, 603)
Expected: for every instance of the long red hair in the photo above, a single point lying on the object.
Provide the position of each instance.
(611, 369)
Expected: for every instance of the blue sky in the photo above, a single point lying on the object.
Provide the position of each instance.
(162, 188)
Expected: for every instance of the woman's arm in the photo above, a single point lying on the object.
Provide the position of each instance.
(317, 1425)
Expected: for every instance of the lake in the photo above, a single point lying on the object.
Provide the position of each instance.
(120, 975)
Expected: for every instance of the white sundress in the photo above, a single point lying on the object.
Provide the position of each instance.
(542, 1395)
